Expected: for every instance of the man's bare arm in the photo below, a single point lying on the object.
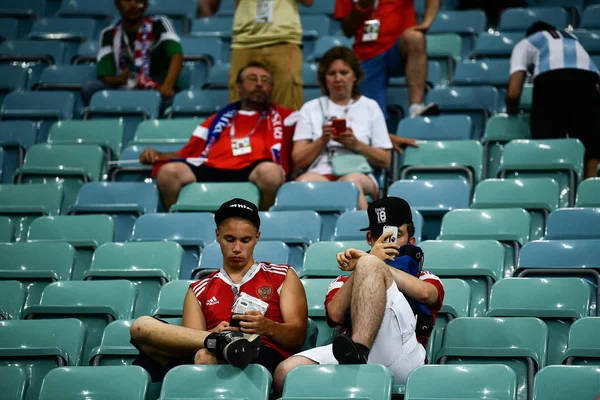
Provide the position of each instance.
(513, 93)
(416, 289)
(352, 22)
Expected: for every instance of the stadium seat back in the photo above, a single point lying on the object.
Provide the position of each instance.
(573, 223)
(316, 289)
(12, 77)
(129, 169)
(67, 77)
(67, 30)
(149, 265)
(539, 196)
(193, 231)
(166, 131)
(197, 103)
(370, 381)
(350, 223)
(15, 138)
(12, 299)
(557, 301)
(461, 382)
(217, 381)
(203, 50)
(591, 18)
(324, 43)
(6, 230)
(480, 263)
(126, 383)
(24, 203)
(86, 53)
(170, 299)
(297, 229)
(496, 44)
(588, 193)
(215, 26)
(561, 159)
(197, 197)
(493, 72)
(37, 54)
(9, 28)
(36, 347)
(560, 382)
(124, 201)
(446, 49)
(499, 130)
(319, 260)
(520, 19)
(13, 382)
(84, 232)
(115, 348)
(583, 345)
(443, 127)
(468, 24)
(179, 12)
(94, 303)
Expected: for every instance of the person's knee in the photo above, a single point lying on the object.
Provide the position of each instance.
(413, 41)
(285, 367)
(140, 327)
(203, 357)
(372, 266)
(174, 174)
(267, 175)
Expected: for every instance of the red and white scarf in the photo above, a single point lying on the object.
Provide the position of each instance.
(141, 56)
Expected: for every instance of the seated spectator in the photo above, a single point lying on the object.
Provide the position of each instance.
(137, 52)
(566, 101)
(389, 43)
(245, 141)
(317, 142)
(375, 307)
(211, 332)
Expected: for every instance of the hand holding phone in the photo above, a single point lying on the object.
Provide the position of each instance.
(394, 237)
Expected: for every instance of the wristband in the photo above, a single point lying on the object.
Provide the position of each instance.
(360, 9)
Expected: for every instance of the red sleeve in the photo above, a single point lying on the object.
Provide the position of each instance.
(440, 288)
(333, 288)
(343, 8)
(193, 148)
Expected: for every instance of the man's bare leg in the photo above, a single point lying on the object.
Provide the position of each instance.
(268, 176)
(171, 178)
(284, 368)
(414, 54)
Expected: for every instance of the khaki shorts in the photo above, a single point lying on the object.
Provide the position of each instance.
(285, 62)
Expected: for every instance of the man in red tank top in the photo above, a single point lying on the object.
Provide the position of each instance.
(215, 328)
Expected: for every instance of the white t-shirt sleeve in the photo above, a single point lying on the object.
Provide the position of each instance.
(304, 126)
(521, 59)
(379, 130)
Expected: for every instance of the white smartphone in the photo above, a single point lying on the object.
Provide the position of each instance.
(394, 237)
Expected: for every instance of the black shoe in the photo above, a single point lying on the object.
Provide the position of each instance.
(236, 348)
(347, 351)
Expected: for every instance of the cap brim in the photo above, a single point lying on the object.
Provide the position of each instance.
(368, 228)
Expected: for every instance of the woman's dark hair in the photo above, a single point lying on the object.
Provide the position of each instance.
(410, 229)
(348, 56)
(539, 26)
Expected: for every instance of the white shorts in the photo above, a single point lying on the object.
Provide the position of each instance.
(395, 345)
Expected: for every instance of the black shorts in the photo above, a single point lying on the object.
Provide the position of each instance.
(205, 173)
(566, 102)
(267, 357)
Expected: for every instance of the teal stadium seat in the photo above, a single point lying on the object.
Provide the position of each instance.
(216, 381)
(591, 18)
(211, 258)
(443, 127)
(329, 199)
(468, 24)
(6, 230)
(36, 347)
(480, 263)
(309, 75)
(511, 226)
(96, 304)
(70, 165)
(496, 44)
(320, 261)
(478, 102)
(561, 159)
(493, 72)
(324, 7)
(193, 231)
(297, 229)
(349, 225)
(573, 223)
(557, 382)
(369, 381)
(432, 198)
(316, 289)
(170, 299)
(128, 167)
(461, 382)
(115, 348)
(539, 196)
(84, 232)
(45, 108)
(454, 160)
(519, 19)
(215, 26)
(70, 31)
(196, 103)
(86, 53)
(68, 383)
(519, 343)
(16, 137)
(22, 204)
(12, 299)
(588, 193)
(499, 130)
(179, 12)
(12, 77)
(107, 134)
(325, 43)
(36, 265)
(148, 265)
(9, 28)
(447, 50)
(163, 131)
(583, 347)
(13, 382)
(100, 11)
(556, 301)
(34, 54)
(67, 77)
(29, 9)
(197, 197)
(205, 51)
(123, 201)
(218, 77)
(132, 106)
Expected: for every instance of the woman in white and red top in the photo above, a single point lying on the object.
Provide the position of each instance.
(316, 140)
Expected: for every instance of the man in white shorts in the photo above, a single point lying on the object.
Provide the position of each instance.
(382, 299)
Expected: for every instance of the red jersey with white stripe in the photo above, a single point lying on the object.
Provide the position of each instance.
(425, 276)
(263, 281)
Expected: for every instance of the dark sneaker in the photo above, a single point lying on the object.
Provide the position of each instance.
(427, 110)
(347, 351)
(236, 348)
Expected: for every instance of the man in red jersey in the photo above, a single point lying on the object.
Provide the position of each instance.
(213, 329)
(245, 141)
(375, 307)
(388, 43)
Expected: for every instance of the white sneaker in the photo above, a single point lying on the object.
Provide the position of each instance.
(423, 110)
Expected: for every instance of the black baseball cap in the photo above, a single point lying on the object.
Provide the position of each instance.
(238, 208)
(392, 211)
